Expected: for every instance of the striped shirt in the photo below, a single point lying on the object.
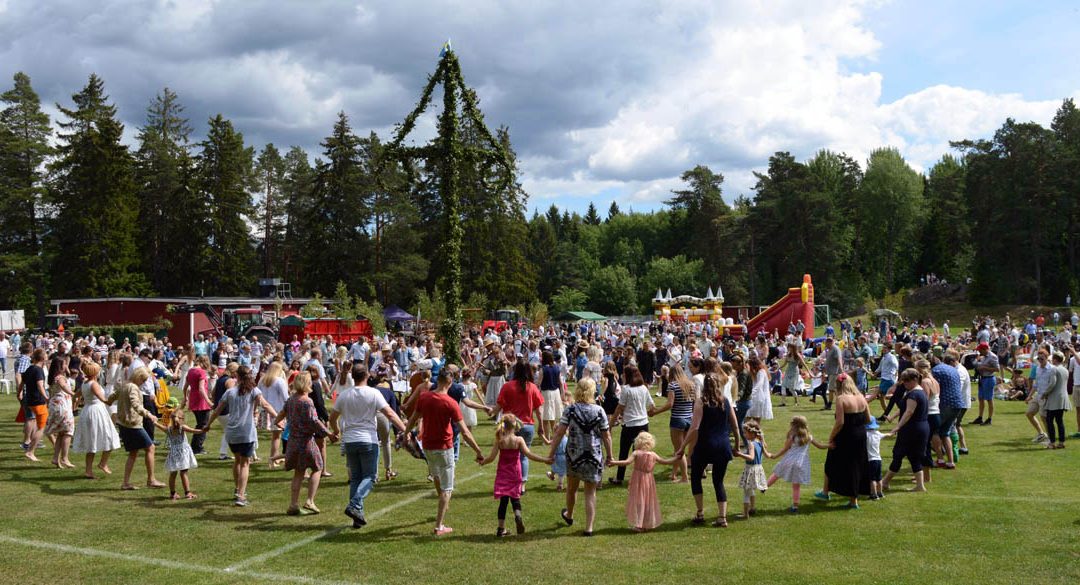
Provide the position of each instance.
(682, 409)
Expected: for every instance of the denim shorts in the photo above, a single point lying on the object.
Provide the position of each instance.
(134, 439)
(681, 424)
(242, 449)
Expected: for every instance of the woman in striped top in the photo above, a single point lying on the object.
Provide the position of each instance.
(681, 392)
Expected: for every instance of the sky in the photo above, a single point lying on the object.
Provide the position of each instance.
(605, 101)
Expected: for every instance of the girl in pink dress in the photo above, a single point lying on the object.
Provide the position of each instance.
(509, 448)
(642, 505)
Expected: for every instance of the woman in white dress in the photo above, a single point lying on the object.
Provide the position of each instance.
(276, 391)
(760, 399)
(113, 376)
(94, 431)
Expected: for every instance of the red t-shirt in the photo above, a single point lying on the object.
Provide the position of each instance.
(196, 381)
(439, 411)
(520, 404)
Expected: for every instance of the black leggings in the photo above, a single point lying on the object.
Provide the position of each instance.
(897, 398)
(626, 443)
(1052, 417)
(823, 391)
(514, 503)
(719, 469)
(197, 439)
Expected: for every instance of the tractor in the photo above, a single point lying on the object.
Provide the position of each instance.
(251, 323)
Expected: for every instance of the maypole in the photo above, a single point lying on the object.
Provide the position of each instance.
(448, 153)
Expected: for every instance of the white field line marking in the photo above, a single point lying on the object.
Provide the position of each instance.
(1022, 499)
(334, 531)
(164, 563)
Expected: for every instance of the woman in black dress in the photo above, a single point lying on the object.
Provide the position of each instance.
(709, 441)
(846, 464)
(912, 432)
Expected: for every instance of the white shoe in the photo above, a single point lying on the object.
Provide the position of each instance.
(1040, 438)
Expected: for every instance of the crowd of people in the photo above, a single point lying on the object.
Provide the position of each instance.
(556, 394)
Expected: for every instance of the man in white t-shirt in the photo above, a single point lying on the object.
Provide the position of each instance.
(354, 413)
(5, 349)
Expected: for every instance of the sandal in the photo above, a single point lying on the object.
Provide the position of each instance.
(501, 532)
(698, 519)
(127, 487)
(720, 522)
(174, 496)
(311, 507)
(569, 521)
(191, 496)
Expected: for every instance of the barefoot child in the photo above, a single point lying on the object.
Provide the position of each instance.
(642, 505)
(753, 475)
(509, 448)
(794, 465)
(181, 458)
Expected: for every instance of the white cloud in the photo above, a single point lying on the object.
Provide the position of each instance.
(600, 98)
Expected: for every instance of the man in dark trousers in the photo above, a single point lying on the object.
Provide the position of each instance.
(646, 362)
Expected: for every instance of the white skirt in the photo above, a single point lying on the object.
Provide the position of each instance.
(760, 406)
(95, 431)
(552, 407)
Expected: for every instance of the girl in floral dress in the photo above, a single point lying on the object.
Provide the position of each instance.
(302, 452)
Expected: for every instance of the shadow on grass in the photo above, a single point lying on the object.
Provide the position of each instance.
(46, 487)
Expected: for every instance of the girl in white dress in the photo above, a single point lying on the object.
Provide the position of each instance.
(760, 399)
(794, 465)
(94, 431)
(181, 458)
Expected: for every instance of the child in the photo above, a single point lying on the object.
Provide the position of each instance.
(509, 448)
(873, 451)
(753, 475)
(862, 379)
(642, 505)
(181, 458)
(794, 465)
(468, 415)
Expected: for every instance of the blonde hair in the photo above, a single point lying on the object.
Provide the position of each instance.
(139, 376)
(593, 353)
(799, 432)
(508, 425)
(585, 391)
(847, 386)
(301, 384)
(686, 385)
(644, 442)
(751, 428)
(176, 420)
(91, 369)
(274, 371)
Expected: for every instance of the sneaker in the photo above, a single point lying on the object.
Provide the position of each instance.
(873, 496)
(1074, 436)
(356, 515)
(1039, 438)
(823, 496)
(241, 502)
(793, 509)
(443, 530)
(978, 421)
(851, 506)
(223, 457)
(986, 423)
(963, 451)
(25, 446)
(882, 418)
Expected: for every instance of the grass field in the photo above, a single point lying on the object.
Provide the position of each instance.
(1010, 514)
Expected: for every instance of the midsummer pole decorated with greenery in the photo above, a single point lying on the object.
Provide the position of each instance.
(447, 153)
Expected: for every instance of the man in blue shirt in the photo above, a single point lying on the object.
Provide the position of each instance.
(951, 405)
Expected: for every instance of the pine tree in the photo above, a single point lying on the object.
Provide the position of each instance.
(97, 211)
(591, 216)
(162, 171)
(270, 174)
(334, 229)
(613, 211)
(224, 173)
(297, 195)
(24, 146)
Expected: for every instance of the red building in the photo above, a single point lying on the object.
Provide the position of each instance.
(147, 310)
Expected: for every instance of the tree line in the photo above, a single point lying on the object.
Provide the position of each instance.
(83, 214)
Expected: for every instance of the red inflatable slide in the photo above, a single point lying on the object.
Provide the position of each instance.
(797, 305)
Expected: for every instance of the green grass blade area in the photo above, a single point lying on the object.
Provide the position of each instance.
(1010, 514)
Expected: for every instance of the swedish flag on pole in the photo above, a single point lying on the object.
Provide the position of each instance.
(446, 48)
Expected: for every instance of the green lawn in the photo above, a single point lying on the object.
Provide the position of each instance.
(1010, 514)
